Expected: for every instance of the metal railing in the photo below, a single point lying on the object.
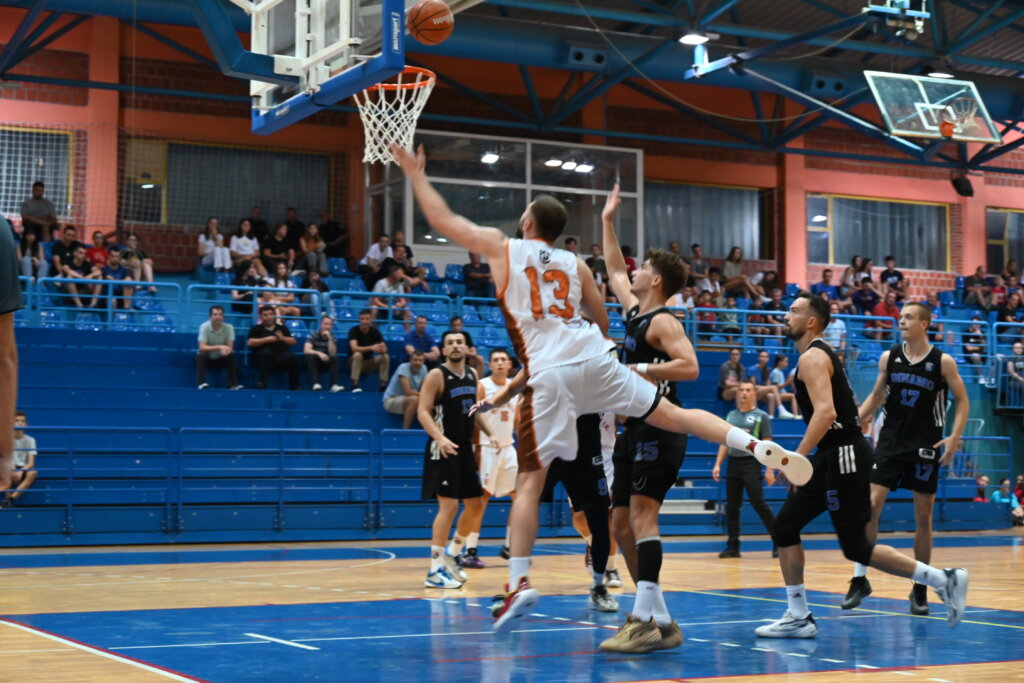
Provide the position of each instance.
(119, 305)
(310, 303)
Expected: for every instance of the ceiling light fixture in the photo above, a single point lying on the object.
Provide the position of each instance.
(569, 165)
(694, 37)
(553, 162)
(584, 168)
(489, 158)
(819, 219)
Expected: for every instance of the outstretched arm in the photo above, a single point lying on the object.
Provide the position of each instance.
(618, 274)
(487, 241)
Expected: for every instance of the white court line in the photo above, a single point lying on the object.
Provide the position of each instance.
(864, 666)
(698, 640)
(729, 644)
(903, 673)
(106, 655)
(282, 642)
(940, 680)
(162, 647)
(795, 654)
(830, 661)
(759, 649)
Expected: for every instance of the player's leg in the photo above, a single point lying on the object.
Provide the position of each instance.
(624, 537)
(440, 575)
(468, 524)
(519, 596)
(611, 573)
(886, 476)
(925, 483)
(470, 557)
(622, 464)
(26, 481)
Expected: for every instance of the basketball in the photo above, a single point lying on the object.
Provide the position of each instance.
(430, 21)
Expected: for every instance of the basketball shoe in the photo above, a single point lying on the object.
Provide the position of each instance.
(635, 637)
(440, 578)
(513, 605)
(602, 601)
(612, 578)
(470, 559)
(789, 627)
(796, 467)
(860, 588)
(919, 599)
(452, 565)
(671, 636)
(954, 595)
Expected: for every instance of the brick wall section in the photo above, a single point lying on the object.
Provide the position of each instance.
(852, 142)
(53, 64)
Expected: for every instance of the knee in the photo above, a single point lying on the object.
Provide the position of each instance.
(784, 533)
(856, 547)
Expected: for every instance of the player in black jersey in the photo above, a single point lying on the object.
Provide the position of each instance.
(840, 483)
(449, 467)
(912, 381)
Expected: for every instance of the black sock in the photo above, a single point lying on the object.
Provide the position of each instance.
(648, 559)
(600, 539)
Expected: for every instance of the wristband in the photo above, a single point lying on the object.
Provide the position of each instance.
(642, 368)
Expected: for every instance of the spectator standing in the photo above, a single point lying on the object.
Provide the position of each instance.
(313, 250)
(478, 278)
(596, 263)
(387, 290)
(334, 235)
(375, 255)
(730, 374)
(886, 309)
(368, 352)
(473, 358)
(866, 298)
(245, 276)
(114, 270)
(974, 343)
(322, 354)
(211, 249)
(136, 260)
(835, 333)
(976, 289)
(277, 249)
(744, 471)
(38, 214)
(24, 473)
(1004, 496)
(79, 268)
(97, 253)
(893, 280)
(260, 230)
(271, 343)
(850, 280)
(216, 349)
(419, 339)
(244, 246)
(31, 256)
(63, 250)
(826, 287)
(402, 397)
(296, 228)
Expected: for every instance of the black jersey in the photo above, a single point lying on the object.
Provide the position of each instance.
(846, 428)
(636, 348)
(451, 409)
(915, 405)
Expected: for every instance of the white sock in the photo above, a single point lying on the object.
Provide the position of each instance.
(518, 567)
(508, 536)
(796, 596)
(738, 439)
(936, 578)
(643, 607)
(436, 560)
(598, 578)
(859, 569)
(611, 562)
(455, 547)
(472, 540)
(660, 611)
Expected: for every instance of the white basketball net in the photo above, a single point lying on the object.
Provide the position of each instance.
(390, 110)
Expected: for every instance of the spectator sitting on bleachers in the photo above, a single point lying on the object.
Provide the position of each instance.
(245, 246)
(245, 276)
(1007, 313)
(375, 255)
(31, 256)
(893, 280)
(277, 249)
(1015, 365)
(259, 226)
(322, 354)
(412, 275)
(730, 374)
(825, 286)
(757, 323)
(391, 307)
(683, 299)
(402, 397)
(850, 280)
(676, 248)
(473, 358)
(627, 256)
(1004, 496)
(79, 268)
(211, 249)
(418, 339)
(38, 215)
(398, 240)
(866, 298)
(1009, 270)
(867, 270)
(729, 323)
(312, 251)
(981, 495)
(734, 282)
(24, 472)
(698, 266)
(976, 289)
(761, 375)
(271, 344)
(296, 228)
(313, 301)
(778, 379)
(478, 278)
(974, 343)
(216, 349)
(935, 335)
(835, 333)
(997, 294)
(713, 283)
(283, 302)
(97, 253)
(1018, 487)
(596, 263)
(114, 270)
(62, 251)
(1012, 284)
(885, 309)
(775, 322)
(705, 318)
(764, 282)
(367, 350)
(334, 235)
(571, 245)
(136, 260)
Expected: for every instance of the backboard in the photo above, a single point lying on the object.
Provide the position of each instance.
(917, 106)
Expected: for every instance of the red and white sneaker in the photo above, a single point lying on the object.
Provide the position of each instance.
(513, 605)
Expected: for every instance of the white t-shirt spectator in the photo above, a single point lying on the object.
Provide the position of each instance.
(280, 284)
(209, 245)
(246, 246)
(382, 286)
(834, 333)
(708, 285)
(395, 390)
(24, 448)
(376, 254)
(677, 301)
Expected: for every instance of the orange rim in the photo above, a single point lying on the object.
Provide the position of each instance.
(409, 70)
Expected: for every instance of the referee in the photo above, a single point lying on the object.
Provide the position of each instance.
(744, 471)
(10, 301)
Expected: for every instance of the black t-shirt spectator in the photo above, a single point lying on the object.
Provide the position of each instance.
(893, 278)
(865, 301)
(369, 338)
(973, 339)
(295, 230)
(261, 332)
(260, 231)
(65, 253)
(330, 231)
(278, 248)
(244, 304)
(476, 286)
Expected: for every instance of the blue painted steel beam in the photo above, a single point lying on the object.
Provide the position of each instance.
(151, 11)
(171, 43)
(983, 156)
(980, 19)
(42, 44)
(964, 41)
(969, 6)
(644, 18)
(233, 59)
(755, 98)
(715, 12)
(524, 73)
(475, 94)
(43, 27)
(10, 52)
(802, 127)
(693, 113)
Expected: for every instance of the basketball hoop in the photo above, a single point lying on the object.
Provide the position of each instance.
(389, 111)
(959, 114)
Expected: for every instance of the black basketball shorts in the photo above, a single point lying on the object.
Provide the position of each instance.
(913, 471)
(453, 477)
(583, 478)
(646, 462)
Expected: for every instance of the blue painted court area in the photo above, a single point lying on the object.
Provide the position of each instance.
(450, 639)
(279, 554)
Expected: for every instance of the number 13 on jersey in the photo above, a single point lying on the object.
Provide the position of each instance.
(561, 293)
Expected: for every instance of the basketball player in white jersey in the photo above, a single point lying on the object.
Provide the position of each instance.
(569, 367)
(498, 466)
